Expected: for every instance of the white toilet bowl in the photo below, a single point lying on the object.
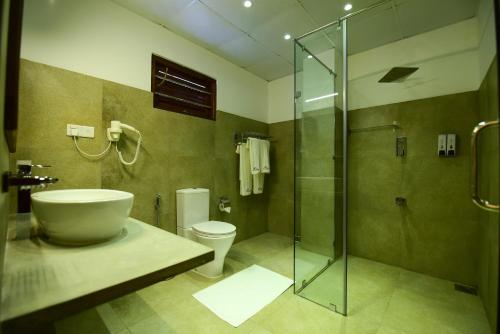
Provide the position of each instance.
(219, 236)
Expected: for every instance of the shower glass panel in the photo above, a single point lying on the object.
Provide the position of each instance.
(319, 261)
(412, 223)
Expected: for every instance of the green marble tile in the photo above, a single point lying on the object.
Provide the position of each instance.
(178, 151)
(436, 232)
(489, 189)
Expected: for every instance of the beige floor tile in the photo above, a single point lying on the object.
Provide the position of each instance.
(328, 287)
(151, 325)
(389, 330)
(308, 264)
(260, 247)
(415, 313)
(190, 316)
(269, 310)
(382, 299)
(281, 262)
(110, 318)
(439, 290)
(170, 292)
(298, 315)
(125, 331)
(82, 323)
(260, 330)
(131, 309)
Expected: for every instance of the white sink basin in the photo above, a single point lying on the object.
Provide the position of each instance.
(81, 216)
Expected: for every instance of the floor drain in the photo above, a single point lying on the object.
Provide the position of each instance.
(465, 288)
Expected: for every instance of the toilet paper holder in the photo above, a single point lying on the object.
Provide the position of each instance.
(224, 204)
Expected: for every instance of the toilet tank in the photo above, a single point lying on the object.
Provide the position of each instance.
(192, 206)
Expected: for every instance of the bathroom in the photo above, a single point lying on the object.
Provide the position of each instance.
(383, 238)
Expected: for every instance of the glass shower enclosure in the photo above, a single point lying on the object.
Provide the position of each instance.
(320, 256)
(414, 231)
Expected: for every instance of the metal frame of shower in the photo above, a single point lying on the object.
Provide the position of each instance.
(345, 129)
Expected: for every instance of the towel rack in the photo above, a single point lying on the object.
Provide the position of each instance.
(240, 137)
(395, 125)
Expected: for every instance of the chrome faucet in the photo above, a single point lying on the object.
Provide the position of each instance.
(25, 181)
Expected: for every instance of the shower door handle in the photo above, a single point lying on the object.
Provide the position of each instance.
(476, 198)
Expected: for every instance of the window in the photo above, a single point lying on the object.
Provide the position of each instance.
(180, 89)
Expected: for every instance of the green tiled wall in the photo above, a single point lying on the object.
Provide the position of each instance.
(178, 151)
(488, 186)
(316, 191)
(437, 232)
(280, 216)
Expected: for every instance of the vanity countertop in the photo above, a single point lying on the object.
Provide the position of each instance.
(43, 282)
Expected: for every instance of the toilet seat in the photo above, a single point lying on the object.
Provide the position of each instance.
(214, 228)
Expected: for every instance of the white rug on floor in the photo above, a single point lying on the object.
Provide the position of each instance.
(237, 298)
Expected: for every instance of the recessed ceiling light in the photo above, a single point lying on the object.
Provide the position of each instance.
(347, 6)
(287, 36)
(247, 3)
(309, 57)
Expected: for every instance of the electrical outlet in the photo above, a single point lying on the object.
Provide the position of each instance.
(74, 130)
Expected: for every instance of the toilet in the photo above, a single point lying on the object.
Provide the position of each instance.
(193, 223)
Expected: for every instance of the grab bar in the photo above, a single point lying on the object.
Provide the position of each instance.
(476, 198)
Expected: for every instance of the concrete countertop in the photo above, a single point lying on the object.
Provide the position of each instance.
(44, 282)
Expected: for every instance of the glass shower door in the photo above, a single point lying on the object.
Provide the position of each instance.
(319, 261)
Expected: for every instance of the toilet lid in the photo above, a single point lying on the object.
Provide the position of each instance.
(214, 227)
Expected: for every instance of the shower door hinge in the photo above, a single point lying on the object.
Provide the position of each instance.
(298, 94)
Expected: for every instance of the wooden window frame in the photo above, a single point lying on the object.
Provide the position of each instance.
(169, 93)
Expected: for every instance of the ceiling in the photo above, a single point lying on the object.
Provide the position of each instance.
(252, 38)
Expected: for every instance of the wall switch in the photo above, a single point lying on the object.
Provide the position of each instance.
(442, 145)
(74, 130)
(451, 145)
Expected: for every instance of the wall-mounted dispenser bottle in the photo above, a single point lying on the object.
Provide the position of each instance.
(447, 145)
(442, 145)
(451, 145)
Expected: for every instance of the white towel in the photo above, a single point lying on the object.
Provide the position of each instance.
(254, 147)
(265, 166)
(258, 183)
(245, 176)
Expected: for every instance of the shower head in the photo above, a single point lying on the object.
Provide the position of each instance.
(398, 74)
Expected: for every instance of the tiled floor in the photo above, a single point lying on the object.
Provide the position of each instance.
(382, 300)
(308, 264)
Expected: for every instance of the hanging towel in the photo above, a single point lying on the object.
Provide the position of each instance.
(265, 166)
(258, 183)
(245, 176)
(254, 147)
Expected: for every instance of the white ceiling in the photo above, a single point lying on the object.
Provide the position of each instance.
(253, 37)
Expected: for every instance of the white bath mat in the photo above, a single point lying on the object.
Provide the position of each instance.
(237, 298)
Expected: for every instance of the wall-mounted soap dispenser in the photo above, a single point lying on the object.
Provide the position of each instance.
(451, 145)
(442, 145)
(447, 145)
